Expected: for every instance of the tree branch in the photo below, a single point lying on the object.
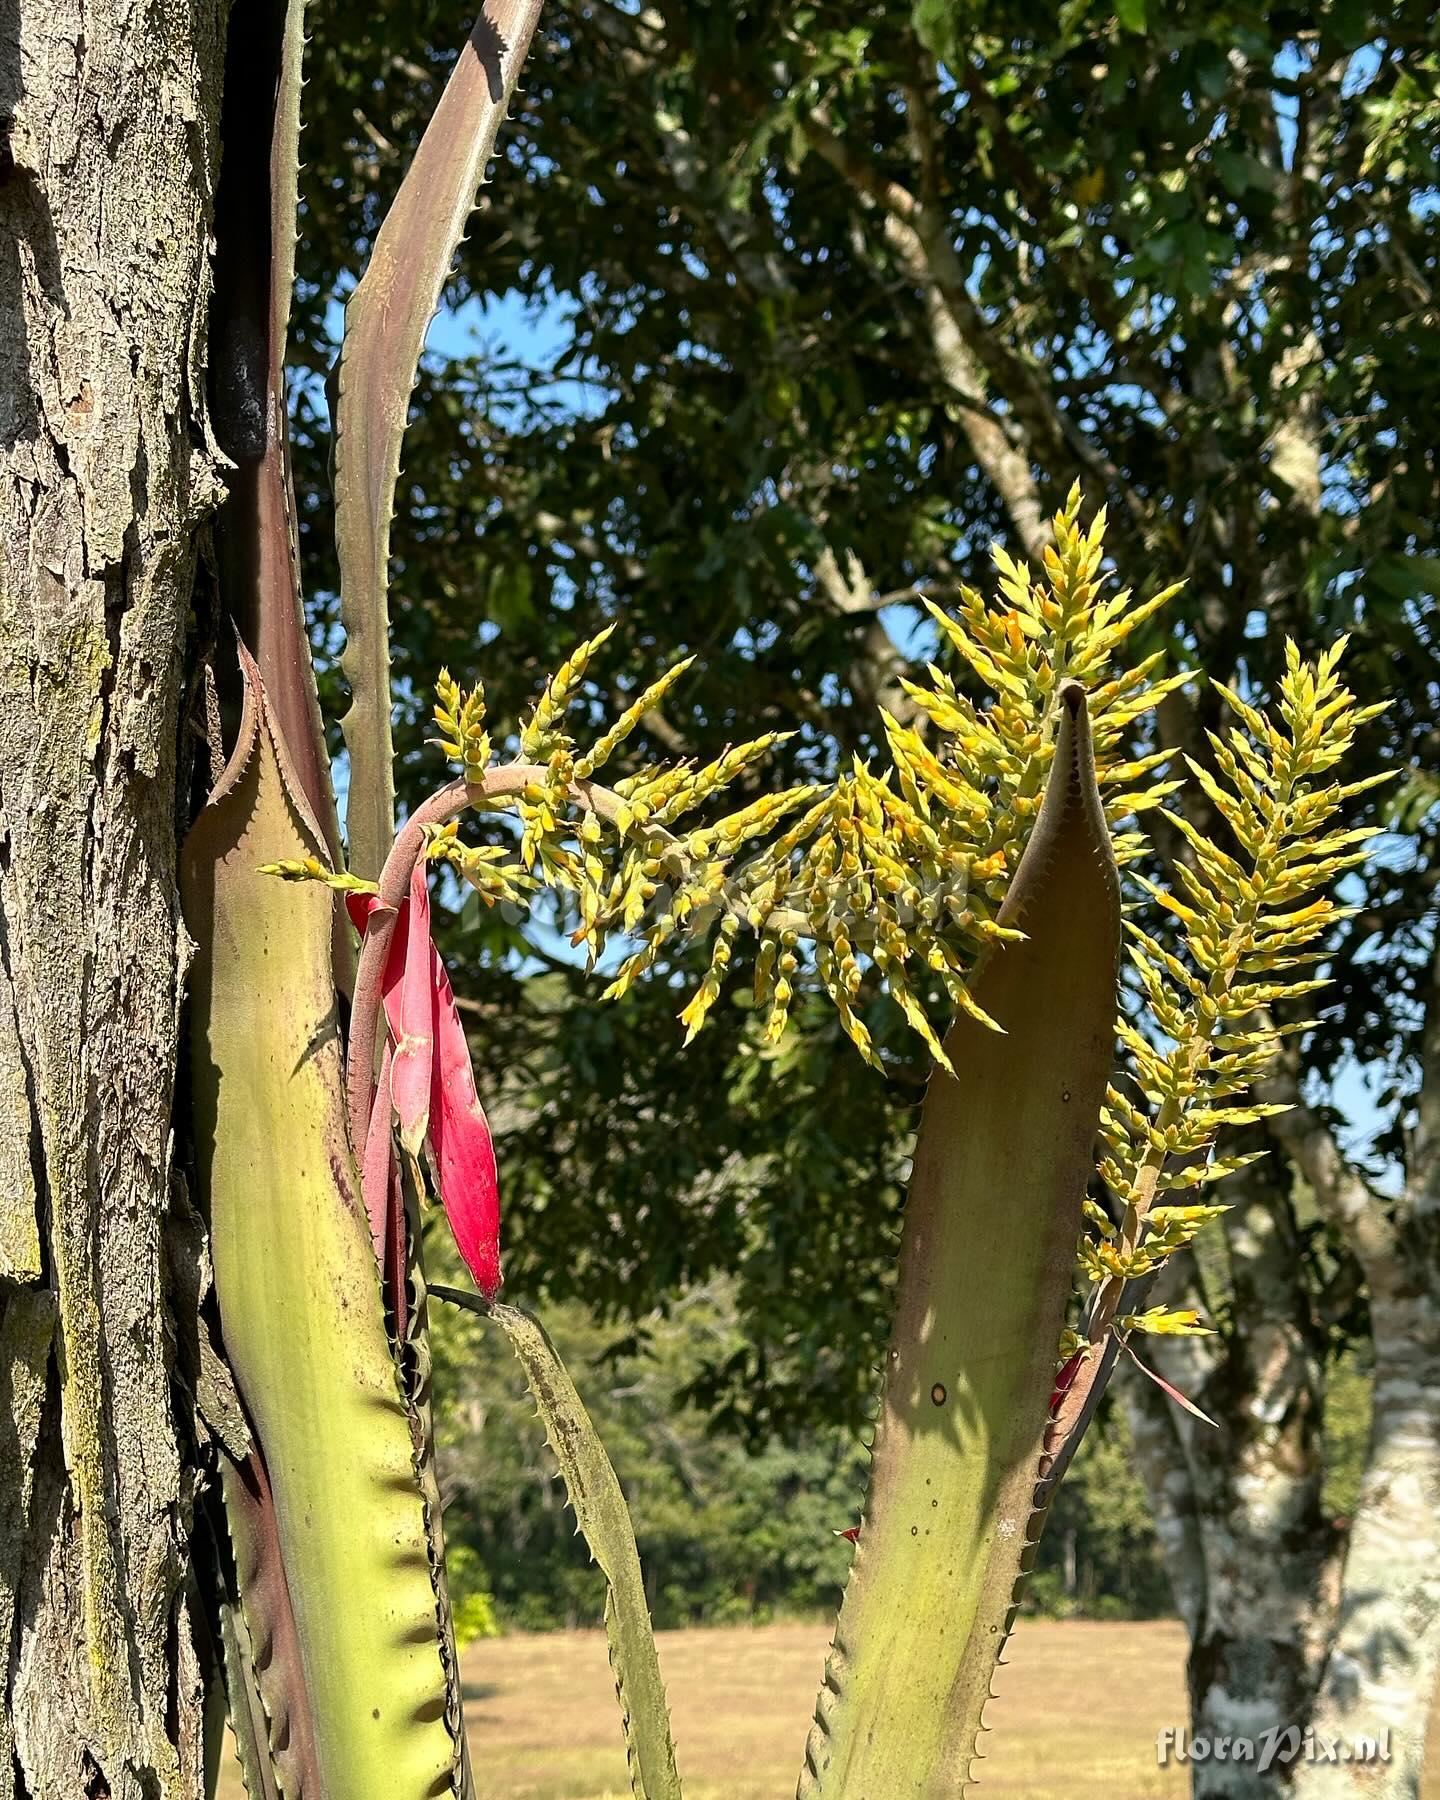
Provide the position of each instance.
(1005, 464)
(1345, 1200)
(849, 591)
(969, 354)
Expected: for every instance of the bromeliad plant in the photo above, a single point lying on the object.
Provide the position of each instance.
(975, 877)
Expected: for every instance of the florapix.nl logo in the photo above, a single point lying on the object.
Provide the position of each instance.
(1280, 1746)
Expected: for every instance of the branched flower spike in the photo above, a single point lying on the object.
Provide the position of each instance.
(1251, 925)
(977, 850)
(885, 882)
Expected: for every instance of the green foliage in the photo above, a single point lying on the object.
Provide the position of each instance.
(472, 1605)
(724, 1534)
(738, 373)
(956, 1496)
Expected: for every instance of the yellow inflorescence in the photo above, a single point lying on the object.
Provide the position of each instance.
(309, 868)
(889, 881)
(461, 718)
(880, 882)
(1249, 926)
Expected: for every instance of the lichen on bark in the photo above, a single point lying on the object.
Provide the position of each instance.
(107, 472)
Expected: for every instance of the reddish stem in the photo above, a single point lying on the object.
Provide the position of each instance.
(395, 1253)
(442, 806)
(378, 1164)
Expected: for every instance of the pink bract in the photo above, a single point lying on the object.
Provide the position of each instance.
(426, 1031)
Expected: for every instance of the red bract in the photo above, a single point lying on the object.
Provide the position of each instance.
(445, 1111)
(460, 1143)
(413, 1030)
(1165, 1388)
(1069, 1369)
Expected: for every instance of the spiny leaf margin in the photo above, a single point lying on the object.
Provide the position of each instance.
(604, 1519)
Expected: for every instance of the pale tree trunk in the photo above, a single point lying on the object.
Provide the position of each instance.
(108, 153)
(1238, 1505)
(1383, 1664)
(1284, 1634)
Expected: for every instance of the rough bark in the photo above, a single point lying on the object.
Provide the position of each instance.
(109, 118)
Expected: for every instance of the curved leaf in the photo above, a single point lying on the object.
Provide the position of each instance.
(385, 325)
(603, 1517)
(357, 1662)
(269, 1706)
(254, 277)
(1004, 1152)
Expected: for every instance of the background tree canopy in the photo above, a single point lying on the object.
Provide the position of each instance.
(823, 301)
(831, 299)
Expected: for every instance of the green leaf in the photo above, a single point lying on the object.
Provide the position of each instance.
(934, 24)
(385, 324)
(1212, 71)
(603, 1517)
(1131, 14)
(1004, 1152)
(327, 1521)
(258, 546)
(1407, 577)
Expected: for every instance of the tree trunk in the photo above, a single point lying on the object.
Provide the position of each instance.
(1283, 1635)
(1239, 1503)
(108, 152)
(1381, 1675)
(1381, 1672)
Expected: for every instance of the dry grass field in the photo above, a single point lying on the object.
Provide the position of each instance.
(1079, 1706)
(541, 1713)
